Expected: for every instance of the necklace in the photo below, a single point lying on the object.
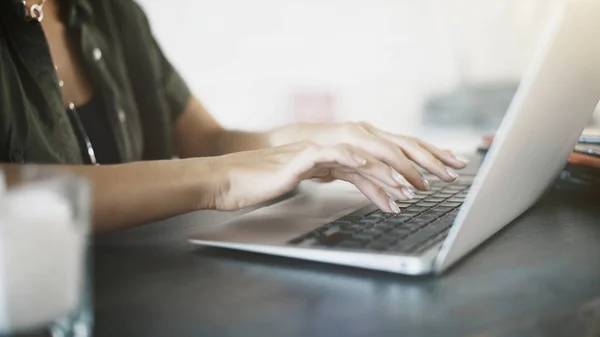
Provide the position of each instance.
(78, 126)
(34, 12)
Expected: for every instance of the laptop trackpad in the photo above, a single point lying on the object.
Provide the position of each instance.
(290, 218)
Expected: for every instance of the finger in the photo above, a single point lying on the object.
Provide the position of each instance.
(391, 155)
(375, 193)
(447, 157)
(401, 193)
(312, 155)
(428, 161)
(376, 171)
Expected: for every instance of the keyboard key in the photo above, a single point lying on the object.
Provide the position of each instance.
(434, 213)
(365, 211)
(431, 229)
(331, 230)
(377, 215)
(368, 221)
(417, 209)
(410, 213)
(442, 209)
(403, 205)
(440, 226)
(435, 199)
(397, 220)
(446, 221)
(412, 226)
(384, 226)
(399, 233)
(333, 239)
(362, 236)
(351, 244)
(431, 242)
(349, 218)
(451, 204)
(430, 192)
(414, 240)
(426, 204)
(373, 231)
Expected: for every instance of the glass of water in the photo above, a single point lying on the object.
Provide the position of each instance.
(45, 256)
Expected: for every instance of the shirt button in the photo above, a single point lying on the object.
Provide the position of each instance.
(16, 156)
(97, 53)
(122, 117)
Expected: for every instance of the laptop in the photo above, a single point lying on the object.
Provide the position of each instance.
(332, 223)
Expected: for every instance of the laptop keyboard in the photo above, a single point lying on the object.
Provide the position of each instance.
(421, 223)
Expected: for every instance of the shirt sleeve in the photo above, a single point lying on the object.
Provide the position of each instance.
(174, 87)
(176, 90)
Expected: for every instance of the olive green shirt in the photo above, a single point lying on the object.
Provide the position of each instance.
(142, 91)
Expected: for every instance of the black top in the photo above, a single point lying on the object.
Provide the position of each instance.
(94, 122)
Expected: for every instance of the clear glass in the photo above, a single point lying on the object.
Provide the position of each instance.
(45, 256)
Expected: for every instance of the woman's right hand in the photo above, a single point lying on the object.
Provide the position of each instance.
(249, 178)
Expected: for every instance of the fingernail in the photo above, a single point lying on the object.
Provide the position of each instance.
(399, 178)
(452, 173)
(394, 207)
(395, 195)
(426, 183)
(408, 193)
(360, 160)
(462, 159)
(389, 195)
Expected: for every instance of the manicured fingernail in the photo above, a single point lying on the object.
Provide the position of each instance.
(394, 207)
(399, 178)
(452, 173)
(396, 195)
(360, 161)
(462, 159)
(426, 183)
(408, 193)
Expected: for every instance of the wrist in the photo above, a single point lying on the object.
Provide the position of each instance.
(320, 133)
(204, 182)
(287, 134)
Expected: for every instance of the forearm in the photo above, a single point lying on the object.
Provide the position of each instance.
(230, 141)
(129, 194)
(197, 134)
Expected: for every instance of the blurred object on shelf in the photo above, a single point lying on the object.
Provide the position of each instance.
(481, 107)
(313, 107)
(582, 171)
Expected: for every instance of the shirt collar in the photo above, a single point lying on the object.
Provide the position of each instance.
(75, 12)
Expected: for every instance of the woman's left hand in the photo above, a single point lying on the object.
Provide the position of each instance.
(395, 150)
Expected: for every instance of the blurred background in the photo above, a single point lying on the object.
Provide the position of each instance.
(444, 70)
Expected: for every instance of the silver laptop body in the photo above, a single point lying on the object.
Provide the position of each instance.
(555, 101)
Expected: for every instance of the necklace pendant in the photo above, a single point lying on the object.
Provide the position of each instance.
(36, 12)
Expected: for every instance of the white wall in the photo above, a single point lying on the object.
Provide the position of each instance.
(378, 60)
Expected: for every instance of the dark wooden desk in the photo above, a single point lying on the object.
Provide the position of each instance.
(538, 277)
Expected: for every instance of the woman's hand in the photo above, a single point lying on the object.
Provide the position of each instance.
(249, 178)
(396, 151)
